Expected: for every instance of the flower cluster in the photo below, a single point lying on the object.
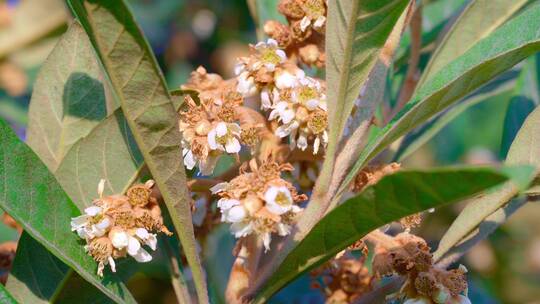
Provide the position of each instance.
(259, 201)
(305, 33)
(210, 127)
(296, 102)
(119, 225)
(344, 279)
(426, 283)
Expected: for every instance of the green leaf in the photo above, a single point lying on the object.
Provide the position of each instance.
(68, 99)
(473, 25)
(109, 152)
(31, 20)
(5, 296)
(139, 85)
(523, 101)
(358, 30)
(509, 44)
(394, 197)
(524, 151)
(417, 138)
(32, 196)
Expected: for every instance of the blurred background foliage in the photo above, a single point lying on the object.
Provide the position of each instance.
(187, 33)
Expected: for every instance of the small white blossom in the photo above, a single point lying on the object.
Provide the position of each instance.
(91, 224)
(278, 199)
(225, 137)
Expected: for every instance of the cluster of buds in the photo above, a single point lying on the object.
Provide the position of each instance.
(345, 278)
(119, 225)
(371, 175)
(259, 201)
(304, 35)
(210, 127)
(426, 283)
(296, 102)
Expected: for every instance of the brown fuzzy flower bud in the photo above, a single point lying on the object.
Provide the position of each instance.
(139, 195)
(279, 32)
(291, 9)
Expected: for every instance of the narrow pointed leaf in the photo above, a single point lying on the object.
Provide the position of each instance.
(394, 197)
(524, 151)
(140, 87)
(417, 138)
(472, 25)
(525, 97)
(509, 44)
(68, 99)
(31, 195)
(357, 32)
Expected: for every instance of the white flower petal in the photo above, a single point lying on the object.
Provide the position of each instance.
(219, 187)
(233, 145)
(104, 224)
(285, 80)
(93, 210)
(283, 229)
(101, 187)
(142, 233)
(265, 99)
(119, 239)
(79, 221)
(302, 142)
(221, 129)
(225, 204)
(271, 42)
(112, 264)
(273, 205)
(235, 214)
(282, 55)
(319, 22)
(151, 241)
(312, 104)
(212, 143)
(316, 144)
(287, 116)
(267, 238)
(142, 256)
(133, 246)
(241, 229)
(304, 23)
(189, 160)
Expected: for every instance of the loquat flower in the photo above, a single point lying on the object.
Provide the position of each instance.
(259, 201)
(301, 112)
(119, 225)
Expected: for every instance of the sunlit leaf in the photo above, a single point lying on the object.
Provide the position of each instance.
(524, 151)
(525, 98)
(139, 85)
(501, 50)
(68, 99)
(472, 25)
(357, 32)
